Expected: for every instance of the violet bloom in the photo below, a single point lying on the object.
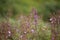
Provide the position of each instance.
(35, 16)
(53, 38)
(34, 23)
(28, 24)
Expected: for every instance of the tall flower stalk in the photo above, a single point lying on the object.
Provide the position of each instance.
(54, 28)
(6, 31)
(35, 17)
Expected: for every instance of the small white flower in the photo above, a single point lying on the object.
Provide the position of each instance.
(25, 32)
(21, 36)
(51, 19)
(32, 31)
(9, 32)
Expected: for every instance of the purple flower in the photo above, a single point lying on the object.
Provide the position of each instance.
(52, 38)
(35, 17)
(27, 23)
(34, 22)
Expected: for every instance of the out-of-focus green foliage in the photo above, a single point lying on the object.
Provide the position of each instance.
(18, 6)
(25, 6)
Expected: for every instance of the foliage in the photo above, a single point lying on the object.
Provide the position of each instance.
(29, 24)
(27, 27)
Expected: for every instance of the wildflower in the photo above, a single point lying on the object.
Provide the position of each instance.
(51, 19)
(9, 33)
(34, 23)
(27, 23)
(35, 17)
(25, 32)
(32, 30)
(21, 36)
(52, 38)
